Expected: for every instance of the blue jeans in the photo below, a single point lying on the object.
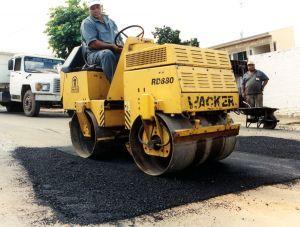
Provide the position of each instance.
(106, 59)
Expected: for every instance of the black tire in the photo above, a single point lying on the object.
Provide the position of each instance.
(271, 123)
(70, 113)
(30, 106)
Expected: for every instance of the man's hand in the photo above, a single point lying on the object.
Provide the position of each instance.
(117, 50)
(99, 45)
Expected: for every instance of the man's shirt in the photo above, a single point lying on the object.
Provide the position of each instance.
(93, 29)
(253, 82)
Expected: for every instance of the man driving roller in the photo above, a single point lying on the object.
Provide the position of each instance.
(98, 32)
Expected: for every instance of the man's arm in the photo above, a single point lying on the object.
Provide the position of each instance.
(265, 79)
(264, 83)
(99, 45)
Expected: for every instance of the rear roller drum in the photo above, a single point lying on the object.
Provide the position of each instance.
(90, 147)
(161, 155)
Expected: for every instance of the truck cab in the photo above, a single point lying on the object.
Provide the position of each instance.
(34, 82)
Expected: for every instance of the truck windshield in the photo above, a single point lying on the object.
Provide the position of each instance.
(41, 65)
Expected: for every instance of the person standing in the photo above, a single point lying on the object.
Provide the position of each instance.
(253, 85)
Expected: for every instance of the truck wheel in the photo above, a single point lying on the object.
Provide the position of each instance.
(30, 106)
(70, 113)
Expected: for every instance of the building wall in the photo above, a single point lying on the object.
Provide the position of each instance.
(246, 46)
(283, 90)
(263, 43)
(284, 38)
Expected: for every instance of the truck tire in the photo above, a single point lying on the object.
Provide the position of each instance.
(70, 113)
(30, 106)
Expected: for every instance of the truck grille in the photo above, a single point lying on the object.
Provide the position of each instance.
(56, 86)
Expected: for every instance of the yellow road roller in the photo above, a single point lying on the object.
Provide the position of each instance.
(168, 103)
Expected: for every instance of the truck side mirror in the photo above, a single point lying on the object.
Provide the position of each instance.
(10, 64)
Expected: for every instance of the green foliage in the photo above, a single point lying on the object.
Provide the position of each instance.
(192, 42)
(168, 35)
(63, 28)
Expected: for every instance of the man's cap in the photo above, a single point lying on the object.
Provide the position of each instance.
(250, 63)
(90, 3)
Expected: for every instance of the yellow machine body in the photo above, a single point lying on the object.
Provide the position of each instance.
(175, 79)
(153, 81)
(177, 89)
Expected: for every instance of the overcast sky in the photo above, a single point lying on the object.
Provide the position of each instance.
(22, 22)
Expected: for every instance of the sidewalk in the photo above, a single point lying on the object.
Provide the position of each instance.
(287, 122)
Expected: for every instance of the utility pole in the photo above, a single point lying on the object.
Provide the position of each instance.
(242, 4)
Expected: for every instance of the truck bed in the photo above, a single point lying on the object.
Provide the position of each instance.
(4, 73)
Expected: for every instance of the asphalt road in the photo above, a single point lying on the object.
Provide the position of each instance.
(88, 192)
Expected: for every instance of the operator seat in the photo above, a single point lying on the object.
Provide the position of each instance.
(77, 61)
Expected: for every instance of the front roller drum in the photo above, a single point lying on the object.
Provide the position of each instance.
(90, 147)
(180, 152)
(214, 148)
(179, 155)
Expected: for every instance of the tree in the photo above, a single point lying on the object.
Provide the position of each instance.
(192, 42)
(168, 35)
(63, 28)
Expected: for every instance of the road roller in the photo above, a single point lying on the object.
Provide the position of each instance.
(169, 104)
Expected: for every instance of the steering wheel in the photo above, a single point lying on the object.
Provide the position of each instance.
(122, 32)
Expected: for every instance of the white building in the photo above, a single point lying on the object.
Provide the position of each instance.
(283, 69)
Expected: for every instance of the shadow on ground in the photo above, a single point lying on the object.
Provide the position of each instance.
(43, 114)
(87, 192)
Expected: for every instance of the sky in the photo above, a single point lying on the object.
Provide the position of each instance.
(22, 22)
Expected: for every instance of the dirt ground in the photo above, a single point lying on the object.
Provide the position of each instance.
(43, 183)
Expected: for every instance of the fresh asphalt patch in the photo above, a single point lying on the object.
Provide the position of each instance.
(87, 192)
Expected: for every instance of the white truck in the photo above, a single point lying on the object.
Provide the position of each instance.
(29, 82)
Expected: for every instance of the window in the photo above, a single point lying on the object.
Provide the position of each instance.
(262, 49)
(18, 62)
(41, 65)
(241, 56)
